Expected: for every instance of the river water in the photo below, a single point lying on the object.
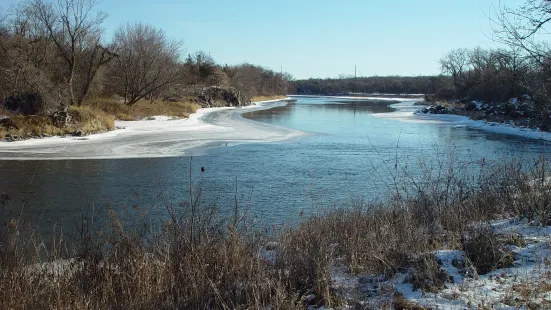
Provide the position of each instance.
(347, 152)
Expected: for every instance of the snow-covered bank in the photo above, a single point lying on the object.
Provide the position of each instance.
(526, 282)
(406, 113)
(158, 137)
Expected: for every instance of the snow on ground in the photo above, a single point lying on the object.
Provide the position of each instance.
(406, 113)
(527, 282)
(158, 136)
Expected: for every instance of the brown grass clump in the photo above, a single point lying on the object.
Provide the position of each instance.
(142, 109)
(427, 274)
(89, 120)
(266, 98)
(486, 249)
(110, 106)
(401, 303)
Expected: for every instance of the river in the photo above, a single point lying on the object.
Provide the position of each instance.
(281, 162)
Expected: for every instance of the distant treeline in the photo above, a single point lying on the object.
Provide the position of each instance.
(377, 84)
(522, 66)
(477, 74)
(56, 49)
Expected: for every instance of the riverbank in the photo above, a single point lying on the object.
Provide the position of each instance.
(521, 113)
(420, 112)
(76, 122)
(157, 136)
(98, 115)
(483, 244)
(93, 117)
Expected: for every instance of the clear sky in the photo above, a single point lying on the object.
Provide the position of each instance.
(317, 38)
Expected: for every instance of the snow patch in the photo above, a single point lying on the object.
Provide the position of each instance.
(500, 289)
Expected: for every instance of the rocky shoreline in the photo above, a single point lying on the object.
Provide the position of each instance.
(519, 112)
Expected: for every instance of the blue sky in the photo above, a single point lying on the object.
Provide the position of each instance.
(323, 38)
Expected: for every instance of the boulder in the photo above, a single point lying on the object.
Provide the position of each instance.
(11, 138)
(435, 109)
(470, 106)
(215, 96)
(28, 104)
(61, 118)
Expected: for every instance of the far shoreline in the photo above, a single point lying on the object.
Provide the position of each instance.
(460, 119)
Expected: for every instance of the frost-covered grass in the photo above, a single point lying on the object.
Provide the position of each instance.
(449, 240)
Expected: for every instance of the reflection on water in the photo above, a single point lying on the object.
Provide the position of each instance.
(355, 106)
(275, 182)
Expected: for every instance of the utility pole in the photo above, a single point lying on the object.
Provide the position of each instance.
(355, 75)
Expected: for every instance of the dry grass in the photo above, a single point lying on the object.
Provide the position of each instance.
(531, 294)
(173, 267)
(85, 120)
(486, 249)
(96, 115)
(142, 109)
(197, 260)
(110, 106)
(266, 98)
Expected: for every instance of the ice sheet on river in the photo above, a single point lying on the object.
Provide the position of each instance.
(160, 137)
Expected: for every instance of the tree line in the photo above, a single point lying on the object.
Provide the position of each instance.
(522, 65)
(376, 84)
(56, 49)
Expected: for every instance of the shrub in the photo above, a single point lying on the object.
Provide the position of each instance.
(485, 249)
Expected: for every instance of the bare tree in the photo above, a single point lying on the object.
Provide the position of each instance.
(28, 60)
(200, 68)
(524, 28)
(147, 61)
(455, 63)
(76, 32)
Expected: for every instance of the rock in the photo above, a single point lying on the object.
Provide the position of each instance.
(11, 138)
(310, 298)
(46, 135)
(271, 246)
(78, 133)
(434, 109)
(470, 106)
(61, 118)
(215, 96)
(28, 104)
(173, 99)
